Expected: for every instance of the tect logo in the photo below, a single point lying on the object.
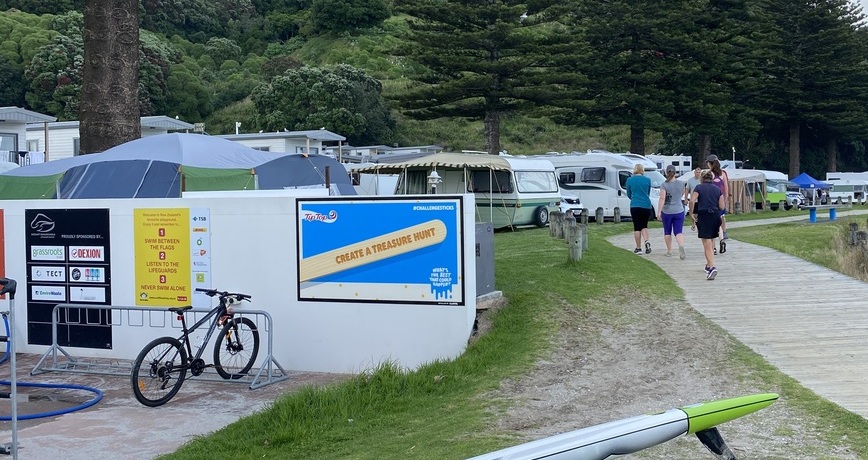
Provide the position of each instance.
(42, 223)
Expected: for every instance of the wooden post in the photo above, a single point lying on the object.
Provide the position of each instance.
(782, 205)
(555, 220)
(584, 217)
(569, 221)
(558, 226)
(599, 216)
(854, 228)
(617, 215)
(583, 236)
(574, 239)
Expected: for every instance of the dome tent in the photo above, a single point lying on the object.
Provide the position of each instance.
(163, 166)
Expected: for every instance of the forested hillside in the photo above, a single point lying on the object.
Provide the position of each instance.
(784, 83)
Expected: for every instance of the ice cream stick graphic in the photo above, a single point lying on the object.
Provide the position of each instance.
(372, 250)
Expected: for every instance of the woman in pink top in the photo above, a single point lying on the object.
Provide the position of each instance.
(721, 180)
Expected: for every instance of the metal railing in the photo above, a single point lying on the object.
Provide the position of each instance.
(56, 359)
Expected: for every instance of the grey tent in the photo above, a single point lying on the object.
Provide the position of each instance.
(163, 166)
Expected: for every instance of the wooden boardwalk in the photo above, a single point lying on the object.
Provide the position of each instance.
(806, 320)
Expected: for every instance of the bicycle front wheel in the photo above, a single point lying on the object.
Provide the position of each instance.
(236, 348)
(159, 371)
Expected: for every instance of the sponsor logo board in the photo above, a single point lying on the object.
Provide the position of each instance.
(96, 253)
(44, 273)
(86, 294)
(87, 274)
(55, 253)
(49, 293)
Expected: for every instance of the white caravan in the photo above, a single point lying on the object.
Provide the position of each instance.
(683, 163)
(599, 180)
(847, 189)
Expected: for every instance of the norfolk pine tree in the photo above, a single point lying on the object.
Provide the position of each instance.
(641, 68)
(814, 59)
(482, 60)
(109, 110)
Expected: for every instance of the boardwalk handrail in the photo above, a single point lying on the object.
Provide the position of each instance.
(272, 370)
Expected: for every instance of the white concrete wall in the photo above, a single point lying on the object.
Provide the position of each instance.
(253, 250)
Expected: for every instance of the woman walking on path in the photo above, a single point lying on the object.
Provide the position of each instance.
(670, 211)
(721, 180)
(639, 191)
(705, 205)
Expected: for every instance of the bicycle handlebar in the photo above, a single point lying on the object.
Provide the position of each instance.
(224, 294)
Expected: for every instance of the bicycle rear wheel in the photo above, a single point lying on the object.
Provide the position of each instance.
(159, 371)
(236, 348)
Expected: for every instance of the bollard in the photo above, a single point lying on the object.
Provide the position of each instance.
(574, 239)
(584, 217)
(583, 234)
(782, 205)
(849, 200)
(559, 227)
(555, 219)
(569, 221)
(617, 217)
(599, 216)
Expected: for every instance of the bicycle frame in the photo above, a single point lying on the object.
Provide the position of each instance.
(185, 332)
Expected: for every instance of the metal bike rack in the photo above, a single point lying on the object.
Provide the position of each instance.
(56, 359)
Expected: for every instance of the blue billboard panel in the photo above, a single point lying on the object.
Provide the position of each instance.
(381, 250)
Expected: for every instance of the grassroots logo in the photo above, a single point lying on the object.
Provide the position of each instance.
(42, 223)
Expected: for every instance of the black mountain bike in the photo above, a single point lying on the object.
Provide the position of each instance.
(161, 367)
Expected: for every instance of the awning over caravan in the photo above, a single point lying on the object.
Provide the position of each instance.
(442, 160)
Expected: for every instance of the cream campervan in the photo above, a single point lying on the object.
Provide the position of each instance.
(598, 180)
(509, 191)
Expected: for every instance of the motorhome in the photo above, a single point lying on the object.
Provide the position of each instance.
(509, 191)
(847, 189)
(598, 180)
(683, 163)
(830, 176)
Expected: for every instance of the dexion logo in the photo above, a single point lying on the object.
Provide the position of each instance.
(38, 273)
(42, 223)
(86, 253)
(47, 253)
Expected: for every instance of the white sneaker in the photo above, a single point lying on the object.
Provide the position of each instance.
(681, 253)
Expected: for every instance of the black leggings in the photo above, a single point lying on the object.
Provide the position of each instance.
(640, 218)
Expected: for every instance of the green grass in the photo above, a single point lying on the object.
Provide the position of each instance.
(442, 411)
(812, 242)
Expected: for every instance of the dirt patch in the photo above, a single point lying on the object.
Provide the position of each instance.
(657, 356)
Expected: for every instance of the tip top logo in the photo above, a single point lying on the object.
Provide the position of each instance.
(311, 216)
(42, 223)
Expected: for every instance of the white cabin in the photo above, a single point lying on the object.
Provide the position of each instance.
(310, 141)
(62, 138)
(14, 147)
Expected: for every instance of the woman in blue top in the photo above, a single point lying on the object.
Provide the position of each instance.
(639, 191)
